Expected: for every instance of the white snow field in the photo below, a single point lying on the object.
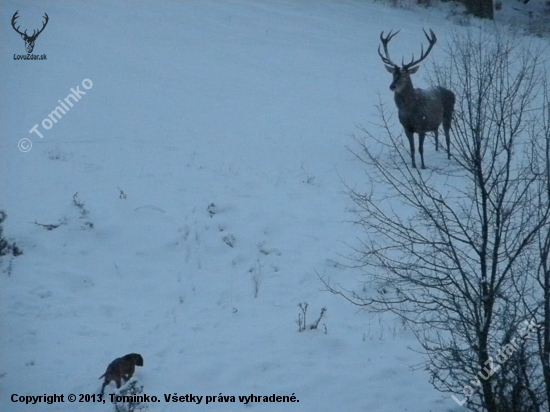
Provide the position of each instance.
(207, 151)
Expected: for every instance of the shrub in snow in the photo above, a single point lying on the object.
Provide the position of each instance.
(301, 322)
(129, 399)
(83, 211)
(7, 247)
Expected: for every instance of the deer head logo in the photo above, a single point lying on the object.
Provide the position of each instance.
(29, 40)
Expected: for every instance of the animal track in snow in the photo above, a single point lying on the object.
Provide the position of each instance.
(229, 240)
(268, 251)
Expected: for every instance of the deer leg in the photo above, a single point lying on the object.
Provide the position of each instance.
(446, 129)
(421, 137)
(410, 136)
(448, 141)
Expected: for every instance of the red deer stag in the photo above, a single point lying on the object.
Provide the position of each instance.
(420, 111)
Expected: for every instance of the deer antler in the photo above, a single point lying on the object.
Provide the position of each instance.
(385, 40)
(35, 33)
(15, 16)
(431, 39)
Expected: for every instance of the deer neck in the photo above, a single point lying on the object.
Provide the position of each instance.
(405, 98)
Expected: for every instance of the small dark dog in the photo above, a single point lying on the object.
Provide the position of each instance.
(121, 368)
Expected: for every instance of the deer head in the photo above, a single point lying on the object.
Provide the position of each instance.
(401, 74)
(29, 40)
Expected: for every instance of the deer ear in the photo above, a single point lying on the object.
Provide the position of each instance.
(390, 69)
(413, 70)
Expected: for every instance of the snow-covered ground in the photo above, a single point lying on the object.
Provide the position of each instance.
(205, 156)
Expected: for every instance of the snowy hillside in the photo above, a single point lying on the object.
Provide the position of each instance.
(196, 186)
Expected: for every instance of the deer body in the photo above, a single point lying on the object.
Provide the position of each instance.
(420, 111)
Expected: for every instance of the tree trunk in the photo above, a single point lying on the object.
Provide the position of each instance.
(480, 8)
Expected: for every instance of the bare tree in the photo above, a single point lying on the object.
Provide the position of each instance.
(449, 250)
(543, 273)
(537, 303)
